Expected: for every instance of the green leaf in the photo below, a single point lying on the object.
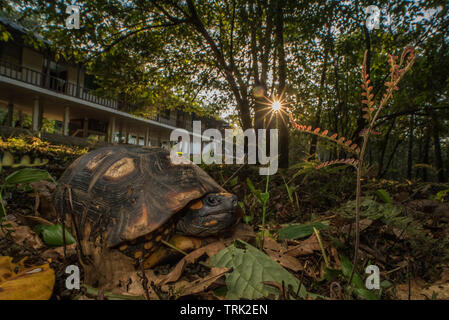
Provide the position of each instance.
(330, 274)
(250, 269)
(440, 195)
(346, 269)
(385, 284)
(52, 235)
(357, 281)
(297, 231)
(253, 189)
(2, 207)
(384, 196)
(234, 181)
(27, 175)
(264, 197)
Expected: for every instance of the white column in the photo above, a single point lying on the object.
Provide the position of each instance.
(35, 116)
(112, 130)
(65, 128)
(147, 136)
(126, 135)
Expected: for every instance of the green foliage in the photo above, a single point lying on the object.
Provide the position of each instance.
(22, 177)
(440, 196)
(34, 146)
(297, 231)
(250, 269)
(52, 235)
(27, 175)
(388, 213)
(290, 190)
(263, 198)
(25, 161)
(384, 196)
(357, 284)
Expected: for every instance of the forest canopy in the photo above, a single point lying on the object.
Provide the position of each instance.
(225, 58)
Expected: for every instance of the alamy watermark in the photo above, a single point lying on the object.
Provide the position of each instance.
(219, 149)
(73, 20)
(375, 16)
(373, 280)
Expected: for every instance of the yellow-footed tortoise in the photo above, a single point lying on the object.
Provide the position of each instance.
(129, 198)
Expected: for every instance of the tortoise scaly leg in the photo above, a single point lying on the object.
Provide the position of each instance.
(164, 252)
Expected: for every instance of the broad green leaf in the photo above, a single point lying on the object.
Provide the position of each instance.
(384, 196)
(297, 231)
(357, 281)
(27, 175)
(250, 269)
(52, 235)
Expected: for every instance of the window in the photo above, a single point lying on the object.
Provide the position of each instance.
(11, 55)
(180, 119)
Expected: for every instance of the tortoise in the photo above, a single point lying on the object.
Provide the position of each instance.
(131, 198)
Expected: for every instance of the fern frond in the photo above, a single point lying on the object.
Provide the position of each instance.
(345, 144)
(349, 161)
(367, 95)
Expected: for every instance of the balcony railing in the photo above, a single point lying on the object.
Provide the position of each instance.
(53, 83)
(46, 81)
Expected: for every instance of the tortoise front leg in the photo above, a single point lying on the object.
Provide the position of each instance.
(164, 252)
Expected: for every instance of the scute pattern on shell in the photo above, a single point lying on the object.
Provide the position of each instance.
(120, 193)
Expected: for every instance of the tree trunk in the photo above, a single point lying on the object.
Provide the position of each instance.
(437, 148)
(425, 159)
(384, 148)
(317, 121)
(410, 148)
(282, 116)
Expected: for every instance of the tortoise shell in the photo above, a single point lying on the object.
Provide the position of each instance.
(117, 194)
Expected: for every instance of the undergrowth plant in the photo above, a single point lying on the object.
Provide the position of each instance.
(370, 113)
(262, 198)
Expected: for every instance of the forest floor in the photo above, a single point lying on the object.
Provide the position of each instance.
(308, 230)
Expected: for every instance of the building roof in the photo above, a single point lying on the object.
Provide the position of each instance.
(21, 29)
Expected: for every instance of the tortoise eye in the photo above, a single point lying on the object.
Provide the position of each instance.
(212, 200)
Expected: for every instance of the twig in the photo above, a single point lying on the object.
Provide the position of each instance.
(321, 246)
(233, 175)
(168, 244)
(144, 279)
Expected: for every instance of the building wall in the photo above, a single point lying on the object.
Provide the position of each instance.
(72, 74)
(32, 59)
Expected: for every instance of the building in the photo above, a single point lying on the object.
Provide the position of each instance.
(34, 86)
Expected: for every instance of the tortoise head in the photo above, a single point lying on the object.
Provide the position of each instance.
(209, 215)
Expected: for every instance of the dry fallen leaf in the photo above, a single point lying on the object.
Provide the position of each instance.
(22, 235)
(420, 290)
(284, 260)
(184, 288)
(58, 252)
(20, 283)
(175, 274)
(241, 231)
(364, 223)
(271, 244)
(304, 247)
